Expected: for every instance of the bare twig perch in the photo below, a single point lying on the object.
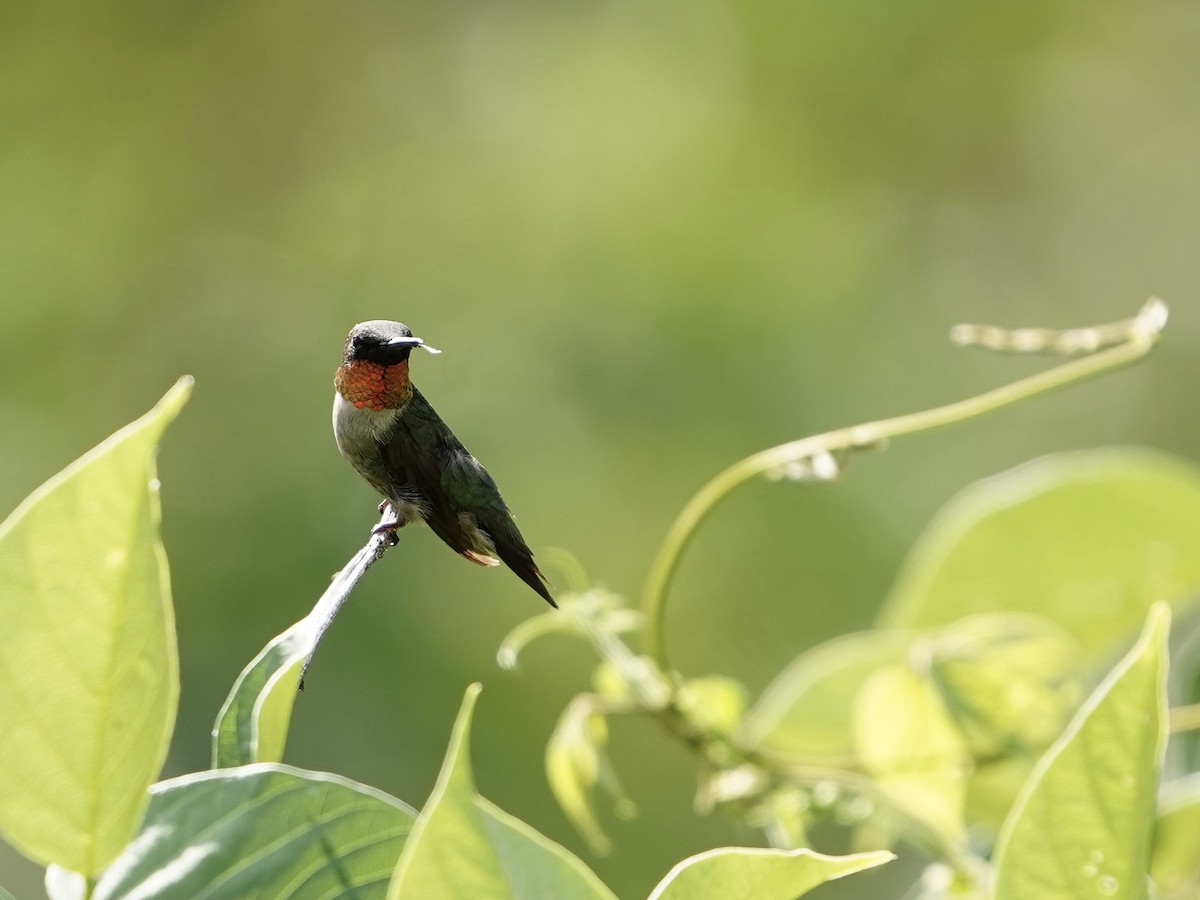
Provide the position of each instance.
(343, 583)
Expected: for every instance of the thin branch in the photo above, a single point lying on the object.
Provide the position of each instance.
(1185, 718)
(338, 592)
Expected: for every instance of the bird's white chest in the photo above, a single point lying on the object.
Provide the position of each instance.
(354, 427)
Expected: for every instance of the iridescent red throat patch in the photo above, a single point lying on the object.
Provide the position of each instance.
(370, 385)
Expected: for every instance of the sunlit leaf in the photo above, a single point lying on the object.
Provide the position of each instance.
(993, 787)
(1083, 823)
(89, 672)
(713, 704)
(464, 846)
(909, 743)
(1011, 680)
(1088, 539)
(808, 710)
(262, 831)
(252, 725)
(761, 874)
(577, 764)
(1175, 856)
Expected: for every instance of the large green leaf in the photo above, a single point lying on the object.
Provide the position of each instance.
(1083, 823)
(761, 874)
(1089, 539)
(464, 846)
(1175, 857)
(262, 831)
(88, 672)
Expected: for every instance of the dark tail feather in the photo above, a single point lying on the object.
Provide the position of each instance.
(519, 558)
(538, 583)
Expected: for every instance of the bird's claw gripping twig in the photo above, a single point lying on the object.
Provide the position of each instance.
(389, 526)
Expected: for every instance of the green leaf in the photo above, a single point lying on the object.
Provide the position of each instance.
(993, 787)
(5, 895)
(89, 670)
(1175, 857)
(262, 831)
(464, 846)
(252, 725)
(1088, 539)
(713, 704)
(761, 874)
(576, 763)
(1082, 825)
(918, 756)
(1012, 680)
(808, 710)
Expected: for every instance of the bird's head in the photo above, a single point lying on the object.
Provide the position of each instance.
(374, 369)
(382, 342)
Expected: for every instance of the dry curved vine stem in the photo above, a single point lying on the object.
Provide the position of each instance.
(1063, 342)
(1105, 347)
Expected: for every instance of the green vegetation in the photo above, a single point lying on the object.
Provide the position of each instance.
(652, 239)
(982, 721)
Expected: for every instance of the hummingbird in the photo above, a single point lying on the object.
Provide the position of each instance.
(388, 431)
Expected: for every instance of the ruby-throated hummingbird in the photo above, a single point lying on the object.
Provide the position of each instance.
(391, 435)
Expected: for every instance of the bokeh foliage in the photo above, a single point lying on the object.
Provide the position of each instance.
(989, 689)
(650, 239)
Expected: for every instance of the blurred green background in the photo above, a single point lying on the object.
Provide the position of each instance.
(651, 239)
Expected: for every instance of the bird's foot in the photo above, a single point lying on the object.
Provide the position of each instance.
(389, 527)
